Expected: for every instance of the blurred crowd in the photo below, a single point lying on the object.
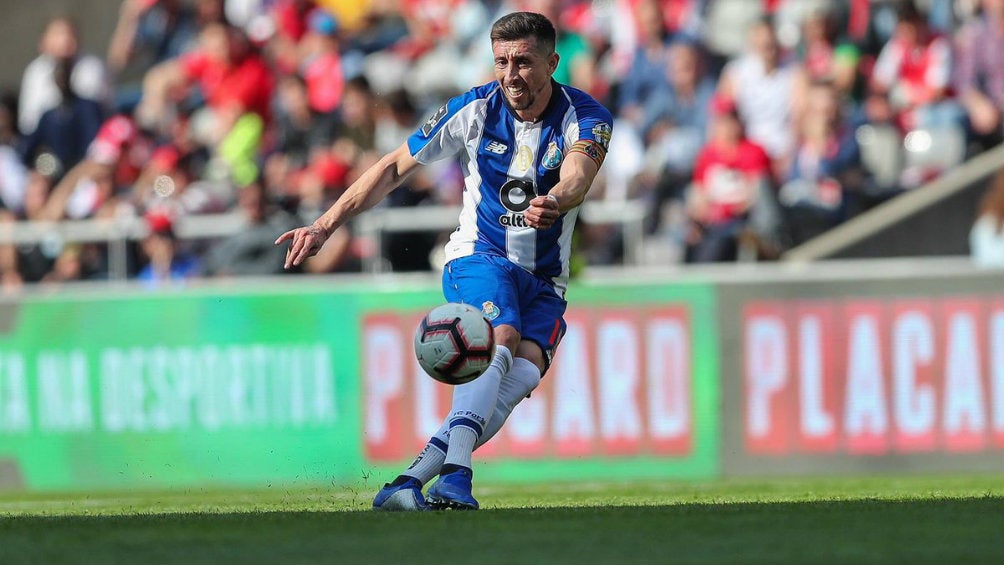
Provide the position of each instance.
(745, 127)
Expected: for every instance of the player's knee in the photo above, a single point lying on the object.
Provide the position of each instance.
(508, 336)
(526, 376)
(531, 352)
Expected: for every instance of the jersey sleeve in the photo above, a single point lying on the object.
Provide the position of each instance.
(595, 125)
(444, 133)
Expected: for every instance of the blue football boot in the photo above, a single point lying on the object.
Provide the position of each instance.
(405, 497)
(453, 490)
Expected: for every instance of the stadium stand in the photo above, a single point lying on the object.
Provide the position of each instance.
(854, 103)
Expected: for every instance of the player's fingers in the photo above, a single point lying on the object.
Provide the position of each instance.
(285, 237)
(294, 255)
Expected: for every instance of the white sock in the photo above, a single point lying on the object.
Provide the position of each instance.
(430, 460)
(473, 404)
(515, 386)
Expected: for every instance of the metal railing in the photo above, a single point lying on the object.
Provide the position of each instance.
(373, 224)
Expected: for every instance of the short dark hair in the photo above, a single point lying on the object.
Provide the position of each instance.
(521, 25)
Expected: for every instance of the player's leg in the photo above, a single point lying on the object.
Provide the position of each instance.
(473, 280)
(543, 327)
(485, 282)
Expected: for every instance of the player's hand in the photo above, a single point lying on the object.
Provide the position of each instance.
(304, 242)
(542, 213)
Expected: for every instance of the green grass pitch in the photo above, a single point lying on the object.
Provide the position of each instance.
(903, 520)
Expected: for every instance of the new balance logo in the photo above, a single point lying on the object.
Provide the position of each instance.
(496, 147)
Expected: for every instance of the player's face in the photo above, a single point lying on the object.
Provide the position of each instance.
(524, 71)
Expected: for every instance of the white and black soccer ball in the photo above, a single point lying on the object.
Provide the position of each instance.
(454, 343)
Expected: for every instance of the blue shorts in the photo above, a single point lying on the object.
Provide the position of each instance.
(508, 294)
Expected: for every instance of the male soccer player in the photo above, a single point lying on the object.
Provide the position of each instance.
(530, 148)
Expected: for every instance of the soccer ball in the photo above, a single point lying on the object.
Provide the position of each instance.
(454, 343)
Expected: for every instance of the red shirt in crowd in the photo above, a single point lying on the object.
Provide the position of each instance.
(728, 178)
(247, 83)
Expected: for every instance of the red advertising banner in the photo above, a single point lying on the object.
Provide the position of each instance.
(620, 386)
(873, 377)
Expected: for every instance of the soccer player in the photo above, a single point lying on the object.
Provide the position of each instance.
(530, 148)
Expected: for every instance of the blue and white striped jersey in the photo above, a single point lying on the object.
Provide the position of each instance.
(506, 163)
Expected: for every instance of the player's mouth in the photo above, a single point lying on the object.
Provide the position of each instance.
(515, 91)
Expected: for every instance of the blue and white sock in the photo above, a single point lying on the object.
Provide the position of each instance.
(430, 460)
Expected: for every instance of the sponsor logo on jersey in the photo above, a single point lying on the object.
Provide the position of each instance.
(496, 147)
(431, 123)
(489, 310)
(552, 157)
(601, 132)
(524, 158)
(516, 195)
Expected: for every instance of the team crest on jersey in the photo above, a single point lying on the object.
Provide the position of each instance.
(601, 132)
(489, 310)
(552, 157)
(430, 124)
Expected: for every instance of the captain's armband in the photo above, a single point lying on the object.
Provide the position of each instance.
(590, 149)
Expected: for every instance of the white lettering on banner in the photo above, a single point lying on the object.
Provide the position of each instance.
(767, 362)
(668, 357)
(620, 386)
(815, 421)
(997, 371)
(161, 389)
(909, 375)
(913, 346)
(15, 414)
(865, 410)
(619, 376)
(384, 377)
(963, 388)
(573, 415)
(64, 399)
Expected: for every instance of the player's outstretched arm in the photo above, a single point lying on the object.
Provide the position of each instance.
(576, 176)
(369, 189)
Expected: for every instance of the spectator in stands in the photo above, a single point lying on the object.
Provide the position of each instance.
(767, 90)
(731, 175)
(66, 130)
(149, 32)
(252, 251)
(299, 129)
(647, 75)
(986, 239)
(236, 85)
(166, 262)
(679, 126)
(39, 92)
(321, 64)
(13, 173)
(825, 57)
(979, 78)
(912, 75)
(97, 184)
(825, 167)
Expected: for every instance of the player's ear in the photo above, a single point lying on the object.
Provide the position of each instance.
(552, 63)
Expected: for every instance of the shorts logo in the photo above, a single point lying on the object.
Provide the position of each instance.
(552, 158)
(489, 310)
(496, 147)
(431, 123)
(601, 132)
